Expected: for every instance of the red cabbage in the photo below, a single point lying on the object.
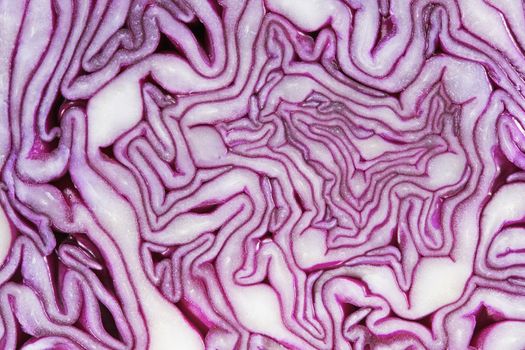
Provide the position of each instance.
(262, 174)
